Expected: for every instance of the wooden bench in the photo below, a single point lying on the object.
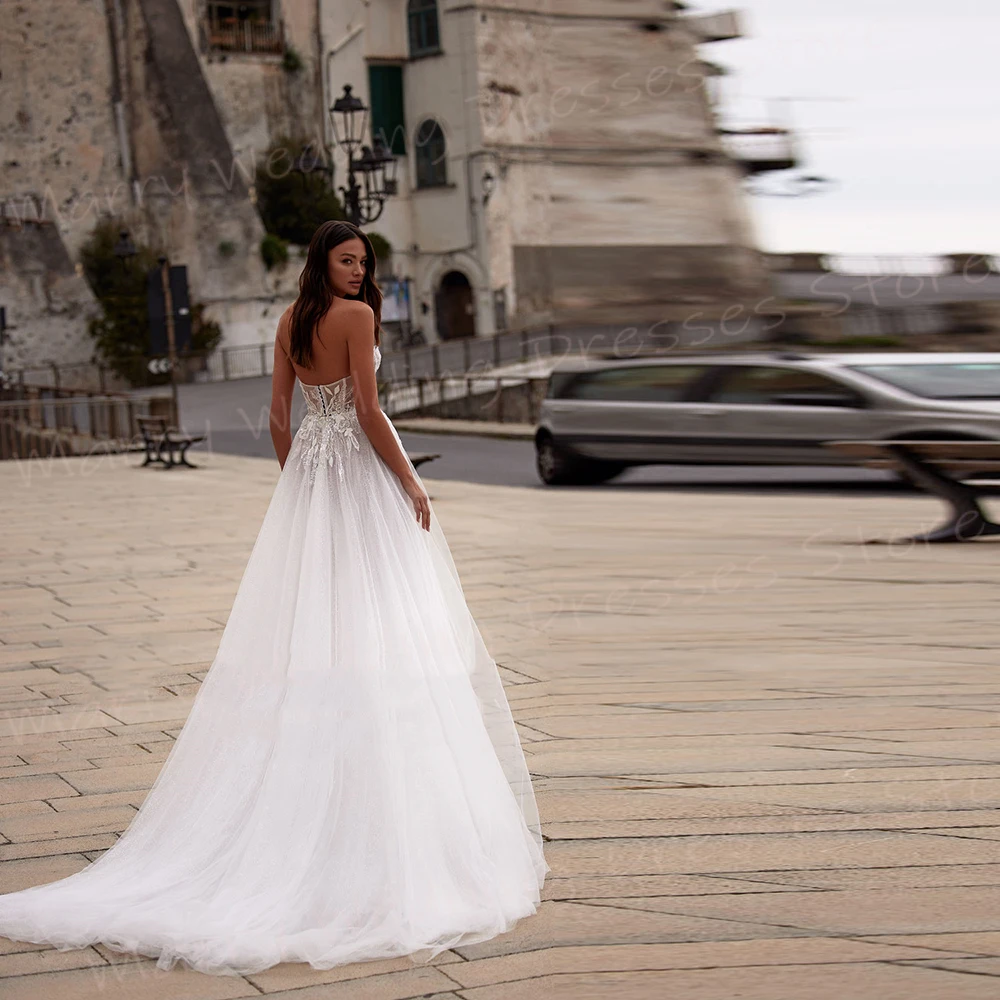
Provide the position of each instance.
(423, 456)
(159, 438)
(943, 468)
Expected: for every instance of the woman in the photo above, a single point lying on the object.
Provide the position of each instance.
(349, 784)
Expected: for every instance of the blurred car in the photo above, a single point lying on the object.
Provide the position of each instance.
(603, 416)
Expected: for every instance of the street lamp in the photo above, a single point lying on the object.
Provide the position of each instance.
(124, 248)
(376, 165)
(310, 162)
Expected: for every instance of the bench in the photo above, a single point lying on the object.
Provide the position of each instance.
(943, 468)
(159, 438)
(423, 456)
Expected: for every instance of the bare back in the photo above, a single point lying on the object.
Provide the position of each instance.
(331, 361)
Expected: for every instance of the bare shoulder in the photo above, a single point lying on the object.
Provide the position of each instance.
(282, 334)
(356, 308)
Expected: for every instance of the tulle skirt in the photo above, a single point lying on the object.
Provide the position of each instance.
(349, 784)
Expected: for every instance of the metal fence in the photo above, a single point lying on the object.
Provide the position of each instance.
(42, 421)
(504, 398)
(232, 35)
(460, 356)
(256, 361)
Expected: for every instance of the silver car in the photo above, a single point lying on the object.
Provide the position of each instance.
(602, 416)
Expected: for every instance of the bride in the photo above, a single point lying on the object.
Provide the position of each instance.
(349, 784)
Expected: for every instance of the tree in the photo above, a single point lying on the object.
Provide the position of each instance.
(292, 203)
(121, 334)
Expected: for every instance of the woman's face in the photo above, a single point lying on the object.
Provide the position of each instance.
(346, 267)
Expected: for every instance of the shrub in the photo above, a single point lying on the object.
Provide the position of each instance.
(121, 333)
(382, 248)
(273, 250)
(293, 204)
(292, 61)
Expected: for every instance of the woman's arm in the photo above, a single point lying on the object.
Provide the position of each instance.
(360, 326)
(282, 387)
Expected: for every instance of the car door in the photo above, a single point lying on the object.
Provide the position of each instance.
(630, 413)
(780, 414)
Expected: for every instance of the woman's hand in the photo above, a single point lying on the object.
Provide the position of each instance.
(421, 503)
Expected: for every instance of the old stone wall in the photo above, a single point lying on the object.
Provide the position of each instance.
(47, 303)
(60, 158)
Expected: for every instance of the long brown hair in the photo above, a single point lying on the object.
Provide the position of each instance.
(315, 294)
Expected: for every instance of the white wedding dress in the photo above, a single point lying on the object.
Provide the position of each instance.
(349, 784)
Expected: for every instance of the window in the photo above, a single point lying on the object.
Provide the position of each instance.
(432, 168)
(423, 20)
(782, 386)
(243, 27)
(638, 384)
(385, 88)
(941, 379)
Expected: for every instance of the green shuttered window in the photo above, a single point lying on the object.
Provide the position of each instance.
(385, 84)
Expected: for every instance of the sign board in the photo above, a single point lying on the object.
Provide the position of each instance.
(395, 300)
(156, 302)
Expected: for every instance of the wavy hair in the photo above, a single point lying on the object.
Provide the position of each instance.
(316, 295)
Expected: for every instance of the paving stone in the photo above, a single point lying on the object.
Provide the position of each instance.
(987, 943)
(858, 911)
(768, 768)
(700, 955)
(810, 982)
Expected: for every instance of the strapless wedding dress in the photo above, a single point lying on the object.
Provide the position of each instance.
(349, 784)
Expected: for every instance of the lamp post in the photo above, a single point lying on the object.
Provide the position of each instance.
(124, 250)
(168, 303)
(309, 162)
(374, 165)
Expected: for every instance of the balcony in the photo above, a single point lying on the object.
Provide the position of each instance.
(719, 27)
(236, 35)
(759, 150)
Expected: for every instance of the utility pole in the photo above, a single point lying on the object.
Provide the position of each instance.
(168, 305)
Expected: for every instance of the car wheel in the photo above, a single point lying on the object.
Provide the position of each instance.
(555, 465)
(559, 467)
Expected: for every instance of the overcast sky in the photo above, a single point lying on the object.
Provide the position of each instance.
(897, 101)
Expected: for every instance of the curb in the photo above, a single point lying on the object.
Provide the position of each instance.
(468, 428)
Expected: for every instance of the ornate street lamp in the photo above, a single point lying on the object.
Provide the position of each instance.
(124, 248)
(376, 165)
(349, 133)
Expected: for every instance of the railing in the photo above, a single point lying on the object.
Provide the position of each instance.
(245, 36)
(501, 398)
(256, 361)
(43, 421)
(437, 360)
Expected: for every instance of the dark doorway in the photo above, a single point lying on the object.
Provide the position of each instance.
(455, 306)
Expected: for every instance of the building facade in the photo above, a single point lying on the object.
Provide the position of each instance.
(558, 162)
(561, 162)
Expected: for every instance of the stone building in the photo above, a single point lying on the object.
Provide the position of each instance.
(133, 109)
(558, 162)
(561, 161)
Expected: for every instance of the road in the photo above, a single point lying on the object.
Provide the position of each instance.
(501, 462)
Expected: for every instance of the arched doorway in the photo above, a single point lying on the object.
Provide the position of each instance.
(455, 307)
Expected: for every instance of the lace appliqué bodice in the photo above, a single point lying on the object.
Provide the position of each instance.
(330, 427)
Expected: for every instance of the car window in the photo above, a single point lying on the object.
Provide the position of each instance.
(761, 384)
(941, 379)
(637, 383)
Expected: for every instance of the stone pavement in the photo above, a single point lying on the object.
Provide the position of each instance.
(767, 757)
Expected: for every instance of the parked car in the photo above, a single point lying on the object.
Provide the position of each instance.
(603, 416)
